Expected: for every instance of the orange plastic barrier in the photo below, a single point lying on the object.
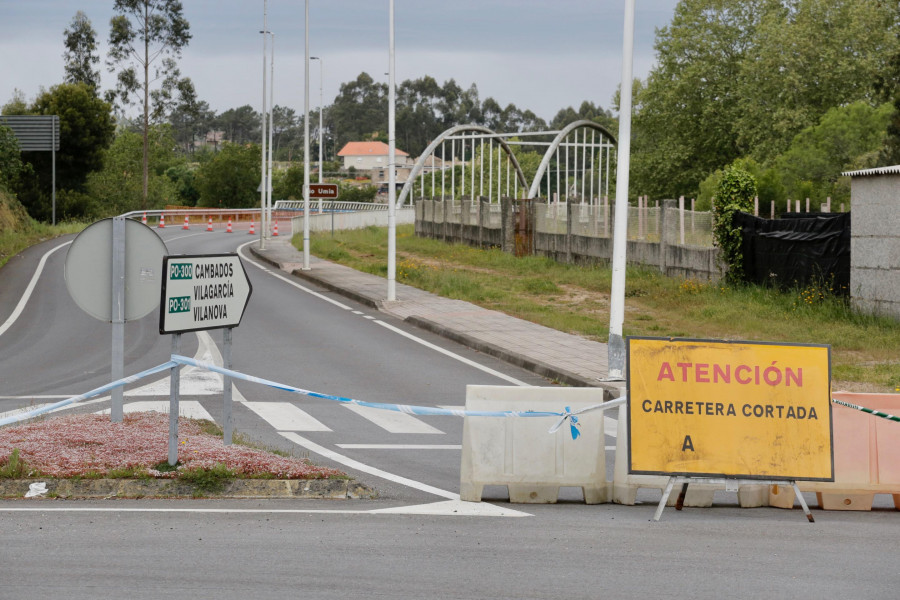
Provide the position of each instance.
(866, 457)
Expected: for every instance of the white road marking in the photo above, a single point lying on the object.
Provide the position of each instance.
(391, 327)
(285, 416)
(240, 251)
(194, 381)
(453, 508)
(364, 468)
(400, 446)
(186, 408)
(36, 397)
(610, 426)
(461, 359)
(28, 290)
(393, 422)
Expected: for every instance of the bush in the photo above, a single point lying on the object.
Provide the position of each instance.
(735, 193)
(353, 193)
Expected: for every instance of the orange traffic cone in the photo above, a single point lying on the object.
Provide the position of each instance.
(209, 226)
(275, 230)
(162, 221)
(144, 219)
(229, 227)
(186, 222)
(251, 232)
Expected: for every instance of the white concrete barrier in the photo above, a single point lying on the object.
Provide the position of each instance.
(625, 485)
(339, 221)
(518, 452)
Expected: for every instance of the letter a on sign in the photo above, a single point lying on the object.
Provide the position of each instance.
(687, 444)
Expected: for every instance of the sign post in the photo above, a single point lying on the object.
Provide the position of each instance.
(729, 411)
(208, 291)
(112, 274)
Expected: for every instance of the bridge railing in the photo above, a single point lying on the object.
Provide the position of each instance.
(330, 206)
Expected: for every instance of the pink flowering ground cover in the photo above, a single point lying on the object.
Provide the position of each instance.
(78, 445)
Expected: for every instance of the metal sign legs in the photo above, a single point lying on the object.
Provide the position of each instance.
(731, 485)
(175, 391)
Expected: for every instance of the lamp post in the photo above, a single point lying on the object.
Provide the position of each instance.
(321, 110)
(306, 144)
(392, 166)
(616, 346)
(263, 179)
(267, 218)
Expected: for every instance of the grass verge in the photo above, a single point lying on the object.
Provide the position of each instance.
(575, 299)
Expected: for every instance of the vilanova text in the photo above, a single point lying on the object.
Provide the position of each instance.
(773, 374)
(214, 291)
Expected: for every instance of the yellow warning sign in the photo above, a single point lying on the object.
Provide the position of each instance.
(733, 409)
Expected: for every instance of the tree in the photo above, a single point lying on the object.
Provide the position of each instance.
(118, 187)
(145, 33)
(80, 54)
(241, 125)
(190, 117)
(807, 57)
(360, 109)
(17, 105)
(685, 114)
(231, 178)
(844, 139)
(10, 159)
(86, 131)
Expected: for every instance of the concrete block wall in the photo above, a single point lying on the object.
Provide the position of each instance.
(875, 244)
(679, 261)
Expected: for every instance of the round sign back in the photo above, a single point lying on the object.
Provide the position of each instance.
(89, 269)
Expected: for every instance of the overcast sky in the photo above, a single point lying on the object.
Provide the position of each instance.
(541, 55)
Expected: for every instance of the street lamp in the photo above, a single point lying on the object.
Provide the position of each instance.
(264, 179)
(392, 166)
(616, 345)
(306, 142)
(321, 110)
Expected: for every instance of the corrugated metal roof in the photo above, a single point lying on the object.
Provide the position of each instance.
(34, 132)
(894, 170)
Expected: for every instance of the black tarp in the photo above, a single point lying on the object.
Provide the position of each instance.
(796, 250)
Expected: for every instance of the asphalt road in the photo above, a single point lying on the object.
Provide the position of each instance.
(413, 542)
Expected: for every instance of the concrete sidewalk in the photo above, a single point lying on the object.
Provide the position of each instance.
(567, 358)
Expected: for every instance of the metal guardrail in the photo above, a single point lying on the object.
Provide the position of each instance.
(329, 206)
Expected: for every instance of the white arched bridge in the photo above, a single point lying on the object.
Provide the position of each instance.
(471, 161)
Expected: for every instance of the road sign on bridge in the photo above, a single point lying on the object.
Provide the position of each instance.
(207, 291)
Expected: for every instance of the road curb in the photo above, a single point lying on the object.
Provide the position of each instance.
(327, 489)
(539, 368)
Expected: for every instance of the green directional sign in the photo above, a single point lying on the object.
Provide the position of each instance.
(207, 291)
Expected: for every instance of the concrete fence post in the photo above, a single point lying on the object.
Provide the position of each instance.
(446, 228)
(569, 216)
(507, 226)
(664, 241)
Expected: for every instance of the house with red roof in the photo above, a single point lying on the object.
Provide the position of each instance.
(365, 156)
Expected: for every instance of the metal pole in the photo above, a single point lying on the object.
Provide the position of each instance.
(117, 316)
(227, 419)
(616, 347)
(306, 146)
(54, 123)
(392, 151)
(268, 212)
(321, 108)
(263, 179)
(174, 385)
